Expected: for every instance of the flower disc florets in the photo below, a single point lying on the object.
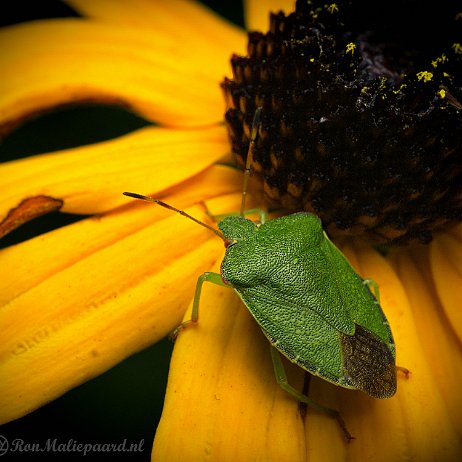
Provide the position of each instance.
(361, 128)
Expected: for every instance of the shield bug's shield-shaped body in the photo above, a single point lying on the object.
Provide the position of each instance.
(309, 302)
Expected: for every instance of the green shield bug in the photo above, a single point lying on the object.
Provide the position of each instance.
(309, 302)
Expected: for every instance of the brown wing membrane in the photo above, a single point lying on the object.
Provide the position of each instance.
(369, 363)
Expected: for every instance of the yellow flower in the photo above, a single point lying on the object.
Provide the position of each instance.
(78, 300)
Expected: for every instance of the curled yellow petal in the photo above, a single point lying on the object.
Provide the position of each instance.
(50, 63)
(90, 179)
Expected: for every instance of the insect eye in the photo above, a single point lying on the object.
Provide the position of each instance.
(229, 242)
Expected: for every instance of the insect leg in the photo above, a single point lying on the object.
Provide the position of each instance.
(281, 378)
(208, 276)
(375, 287)
(263, 216)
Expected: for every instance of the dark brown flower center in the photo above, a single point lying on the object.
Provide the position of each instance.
(357, 127)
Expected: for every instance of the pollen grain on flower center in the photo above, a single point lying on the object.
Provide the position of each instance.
(350, 130)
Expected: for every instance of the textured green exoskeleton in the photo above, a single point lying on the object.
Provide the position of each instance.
(310, 303)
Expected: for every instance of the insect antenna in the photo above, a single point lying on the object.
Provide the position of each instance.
(181, 212)
(248, 164)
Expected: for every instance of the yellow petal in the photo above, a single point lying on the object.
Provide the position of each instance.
(91, 179)
(257, 13)
(222, 402)
(98, 305)
(188, 20)
(221, 387)
(418, 411)
(84, 319)
(32, 261)
(438, 342)
(49, 63)
(364, 416)
(446, 264)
